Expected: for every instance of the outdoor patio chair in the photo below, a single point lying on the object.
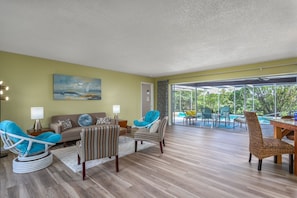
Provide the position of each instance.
(206, 114)
(190, 116)
(224, 114)
(265, 147)
(33, 151)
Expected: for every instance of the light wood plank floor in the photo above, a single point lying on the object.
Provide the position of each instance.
(196, 162)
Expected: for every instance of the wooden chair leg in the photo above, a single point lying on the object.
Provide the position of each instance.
(163, 142)
(135, 146)
(83, 170)
(259, 164)
(250, 158)
(117, 163)
(78, 159)
(161, 147)
(291, 162)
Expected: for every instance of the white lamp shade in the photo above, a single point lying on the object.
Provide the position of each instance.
(36, 113)
(116, 109)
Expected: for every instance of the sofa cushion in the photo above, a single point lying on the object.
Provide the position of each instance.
(74, 118)
(85, 120)
(105, 120)
(66, 124)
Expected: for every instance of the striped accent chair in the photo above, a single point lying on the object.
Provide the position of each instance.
(265, 147)
(143, 134)
(98, 142)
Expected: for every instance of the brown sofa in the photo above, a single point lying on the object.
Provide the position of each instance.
(73, 132)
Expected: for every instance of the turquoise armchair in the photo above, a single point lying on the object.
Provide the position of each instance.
(33, 151)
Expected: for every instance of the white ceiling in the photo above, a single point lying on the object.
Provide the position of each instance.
(151, 37)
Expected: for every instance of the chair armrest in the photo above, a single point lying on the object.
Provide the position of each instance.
(56, 127)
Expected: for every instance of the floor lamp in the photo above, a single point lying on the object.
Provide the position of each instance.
(5, 98)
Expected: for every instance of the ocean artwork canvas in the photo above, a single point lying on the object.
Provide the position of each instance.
(76, 88)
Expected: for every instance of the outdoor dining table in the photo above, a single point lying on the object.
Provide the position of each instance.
(281, 128)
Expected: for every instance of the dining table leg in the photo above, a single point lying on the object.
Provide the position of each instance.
(295, 154)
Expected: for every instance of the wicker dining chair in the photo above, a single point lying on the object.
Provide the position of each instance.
(265, 147)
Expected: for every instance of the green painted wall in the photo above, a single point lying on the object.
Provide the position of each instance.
(30, 80)
(277, 67)
(31, 84)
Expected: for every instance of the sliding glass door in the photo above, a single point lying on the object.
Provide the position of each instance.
(267, 99)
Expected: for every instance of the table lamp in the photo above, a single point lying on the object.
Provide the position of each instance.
(116, 110)
(37, 114)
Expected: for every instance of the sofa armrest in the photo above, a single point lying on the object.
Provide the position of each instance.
(56, 127)
(112, 121)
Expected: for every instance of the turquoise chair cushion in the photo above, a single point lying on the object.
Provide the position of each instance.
(12, 128)
(149, 117)
(140, 123)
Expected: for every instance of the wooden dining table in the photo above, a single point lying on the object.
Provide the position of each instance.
(281, 128)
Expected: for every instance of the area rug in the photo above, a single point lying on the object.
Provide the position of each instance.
(68, 155)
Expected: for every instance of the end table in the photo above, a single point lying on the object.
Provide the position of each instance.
(35, 133)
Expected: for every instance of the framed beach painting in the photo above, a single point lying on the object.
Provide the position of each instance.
(76, 88)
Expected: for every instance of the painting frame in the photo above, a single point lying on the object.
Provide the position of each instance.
(68, 87)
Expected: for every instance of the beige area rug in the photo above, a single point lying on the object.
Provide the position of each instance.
(68, 155)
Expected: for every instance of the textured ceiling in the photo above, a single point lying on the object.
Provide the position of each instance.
(151, 37)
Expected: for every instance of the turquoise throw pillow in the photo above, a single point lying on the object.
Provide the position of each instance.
(85, 120)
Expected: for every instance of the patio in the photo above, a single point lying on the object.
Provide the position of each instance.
(230, 126)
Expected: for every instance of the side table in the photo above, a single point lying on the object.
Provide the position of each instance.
(35, 133)
(123, 123)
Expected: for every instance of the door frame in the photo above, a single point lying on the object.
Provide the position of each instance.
(151, 96)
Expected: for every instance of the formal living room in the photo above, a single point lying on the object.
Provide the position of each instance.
(148, 98)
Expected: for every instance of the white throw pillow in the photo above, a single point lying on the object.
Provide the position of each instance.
(154, 127)
(66, 124)
(104, 120)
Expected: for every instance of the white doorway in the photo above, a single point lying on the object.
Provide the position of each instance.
(147, 97)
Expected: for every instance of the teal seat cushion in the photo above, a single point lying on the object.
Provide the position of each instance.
(140, 123)
(11, 127)
(149, 118)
